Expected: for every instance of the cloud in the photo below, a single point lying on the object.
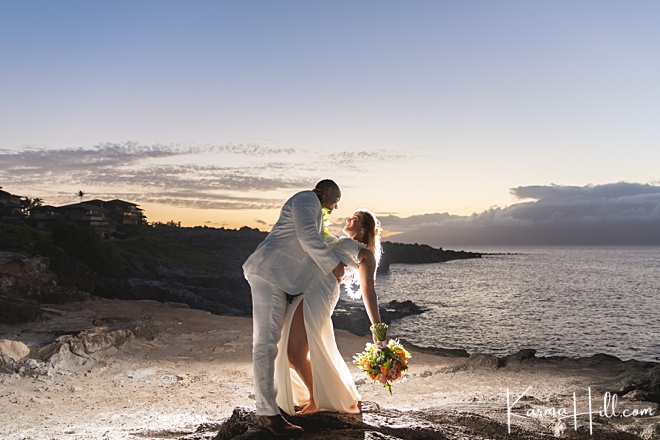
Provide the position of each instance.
(395, 223)
(613, 202)
(247, 149)
(191, 178)
(360, 160)
(197, 176)
(121, 155)
(213, 202)
(66, 160)
(617, 213)
(132, 170)
(589, 192)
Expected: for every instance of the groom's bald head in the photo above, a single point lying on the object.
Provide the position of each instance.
(327, 183)
(329, 194)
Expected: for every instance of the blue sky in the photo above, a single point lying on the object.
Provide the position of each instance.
(213, 112)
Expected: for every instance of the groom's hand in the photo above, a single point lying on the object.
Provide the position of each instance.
(338, 272)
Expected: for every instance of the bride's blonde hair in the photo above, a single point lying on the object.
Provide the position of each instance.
(372, 231)
(371, 239)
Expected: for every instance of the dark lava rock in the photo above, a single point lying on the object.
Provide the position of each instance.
(418, 254)
(376, 423)
(26, 282)
(351, 315)
(521, 357)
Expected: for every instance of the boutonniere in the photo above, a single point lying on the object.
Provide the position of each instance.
(326, 221)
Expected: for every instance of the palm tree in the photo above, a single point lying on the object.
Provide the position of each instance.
(80, 194)
(33, 203)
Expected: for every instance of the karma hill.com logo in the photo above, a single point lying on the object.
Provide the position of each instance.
(608, 410)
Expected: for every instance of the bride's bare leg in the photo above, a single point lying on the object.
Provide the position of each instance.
(298, 351)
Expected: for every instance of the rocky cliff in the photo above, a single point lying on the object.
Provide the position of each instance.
(199, 267)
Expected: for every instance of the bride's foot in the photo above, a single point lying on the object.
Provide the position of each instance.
(310, 408)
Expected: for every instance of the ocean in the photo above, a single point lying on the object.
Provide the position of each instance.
(562, 301)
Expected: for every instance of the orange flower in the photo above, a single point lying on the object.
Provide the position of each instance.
(373, 359)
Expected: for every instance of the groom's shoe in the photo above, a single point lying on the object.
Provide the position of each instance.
(279, 426)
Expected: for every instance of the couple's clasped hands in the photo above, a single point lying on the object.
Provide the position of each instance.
(338, 272)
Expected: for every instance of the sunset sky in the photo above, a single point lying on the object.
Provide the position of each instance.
(426, 112)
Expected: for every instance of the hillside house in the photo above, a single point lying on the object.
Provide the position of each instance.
(91, 215)
(103, 216)
(11, 207)
(123, 213)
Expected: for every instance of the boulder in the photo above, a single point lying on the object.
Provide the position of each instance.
(15, 350)
(476, 362)
(526, 356)
(351, 316)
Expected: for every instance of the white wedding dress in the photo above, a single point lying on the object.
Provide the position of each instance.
(334, 389)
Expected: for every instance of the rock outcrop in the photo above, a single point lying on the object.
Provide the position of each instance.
(67, 354)
(376, 423)
(418, 254)
(26, 282)
(351, 316)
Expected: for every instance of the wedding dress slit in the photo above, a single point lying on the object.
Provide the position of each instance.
(333, 385)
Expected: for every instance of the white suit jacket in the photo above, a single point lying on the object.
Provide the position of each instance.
(286, 258)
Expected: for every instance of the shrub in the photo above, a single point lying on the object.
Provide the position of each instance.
(86, 245)
(21, 237)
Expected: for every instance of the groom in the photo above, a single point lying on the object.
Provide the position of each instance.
(283, 265)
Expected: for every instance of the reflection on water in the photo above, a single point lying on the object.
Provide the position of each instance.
(567, 301)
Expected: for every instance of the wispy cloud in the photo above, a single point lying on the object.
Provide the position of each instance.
(119, 155)
(129, 169)
(360, 160)
(378, 155)
(66, 160)
(172, 174)
(245, 149)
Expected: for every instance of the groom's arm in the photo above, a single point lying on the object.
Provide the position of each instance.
(306, 210)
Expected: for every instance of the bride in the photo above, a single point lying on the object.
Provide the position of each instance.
(309, 370)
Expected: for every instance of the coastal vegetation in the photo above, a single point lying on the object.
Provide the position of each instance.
(14, 236)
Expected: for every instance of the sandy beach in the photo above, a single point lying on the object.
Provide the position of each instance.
(147, 370)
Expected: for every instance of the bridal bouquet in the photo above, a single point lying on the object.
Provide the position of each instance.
(383, 361)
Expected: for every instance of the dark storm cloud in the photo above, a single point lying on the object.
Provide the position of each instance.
(617, 213)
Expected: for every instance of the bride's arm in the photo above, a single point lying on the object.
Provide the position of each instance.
(367, 283)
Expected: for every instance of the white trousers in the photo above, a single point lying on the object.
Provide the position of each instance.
(268, 309)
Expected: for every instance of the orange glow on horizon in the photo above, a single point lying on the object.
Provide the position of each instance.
(213, 218)
(229, 219)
